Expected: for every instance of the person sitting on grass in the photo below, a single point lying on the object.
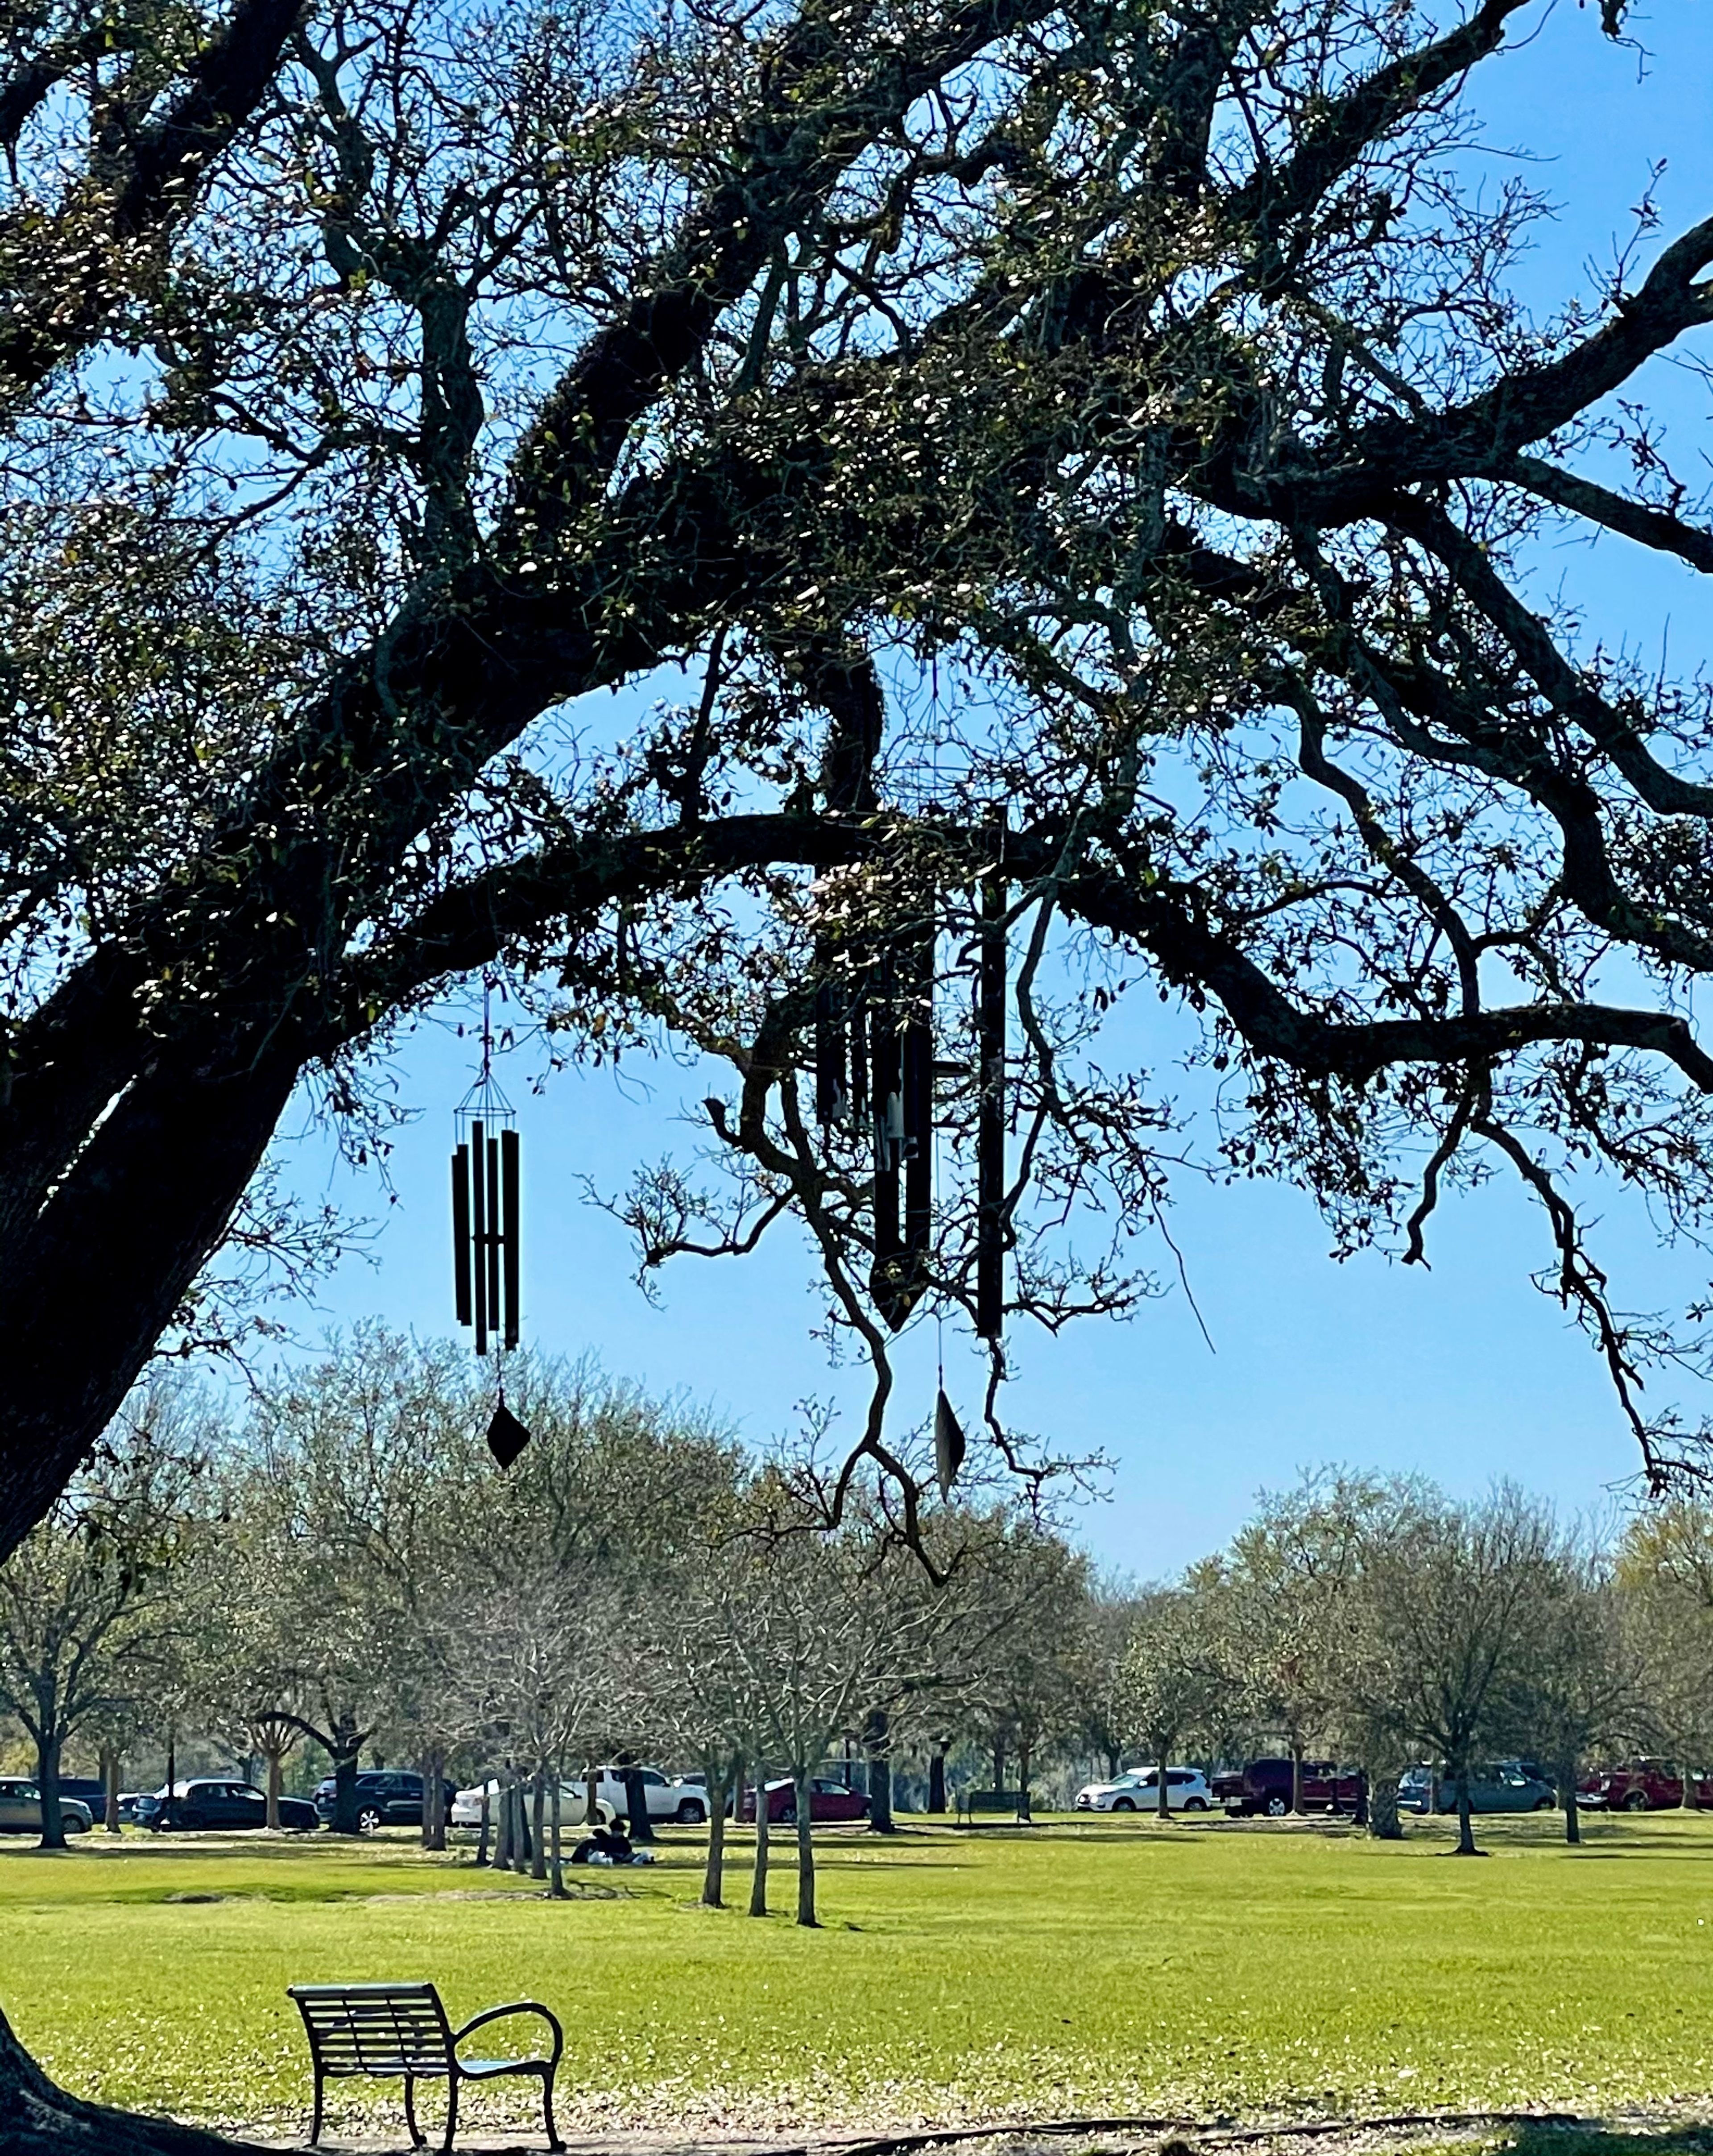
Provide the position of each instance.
(610, 1844)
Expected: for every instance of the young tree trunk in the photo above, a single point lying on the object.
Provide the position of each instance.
(758, 1879)
(937, 1778)
(482, 1837)
(1691, 1792)
(1023, 1782)
(556, 1871)
(805, 1851)
(877, 1749)
(1162, 1794)
(1567, 1799)
(521, 1852)
(714, 1872)
(433, 1772)
(1297, 1779)
(274, 1755)
(538, 1825)
(592, 1797)
(1383, 1822)
(109, 1788)
(998, 1761)
(1465, 1830)
(47, 1782)
(502, 1824)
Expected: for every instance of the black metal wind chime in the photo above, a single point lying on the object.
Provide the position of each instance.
(485, 1250)
(875, 1060)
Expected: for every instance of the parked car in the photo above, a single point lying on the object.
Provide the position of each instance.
(383, 1799)
(1504, 1785)
(1263, 1789)
(88, 1792)
(94, 1794)
(466, 1807)
(1641, 1785)
(666, 1799)
(1137, 1789)
(831, 1803)
(21, 1809)
(230, 1806)
(1415, 1789)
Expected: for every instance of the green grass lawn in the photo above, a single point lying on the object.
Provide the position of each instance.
(1111, 1967)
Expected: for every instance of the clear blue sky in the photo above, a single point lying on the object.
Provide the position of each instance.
(1464, 1371)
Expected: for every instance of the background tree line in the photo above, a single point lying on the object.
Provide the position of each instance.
(339, 1572)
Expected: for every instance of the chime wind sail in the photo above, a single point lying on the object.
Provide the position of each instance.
(485, 1246)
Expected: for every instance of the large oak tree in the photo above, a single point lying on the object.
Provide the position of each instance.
(1111, 411)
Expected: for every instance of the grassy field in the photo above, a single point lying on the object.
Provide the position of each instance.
(1111, 1967)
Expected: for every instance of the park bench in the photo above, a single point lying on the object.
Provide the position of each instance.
(401, 2030)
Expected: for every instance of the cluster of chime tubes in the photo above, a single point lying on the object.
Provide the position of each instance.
(485, 1238)
(874, 1062)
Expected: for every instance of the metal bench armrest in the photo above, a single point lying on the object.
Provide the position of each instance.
(518, 2006)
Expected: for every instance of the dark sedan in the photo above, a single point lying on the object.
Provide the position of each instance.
(230, 1807)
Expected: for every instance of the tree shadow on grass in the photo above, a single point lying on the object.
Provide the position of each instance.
(1550, 2140)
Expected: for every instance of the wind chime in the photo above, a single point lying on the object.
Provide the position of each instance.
(874, 1059)
(485, 1248)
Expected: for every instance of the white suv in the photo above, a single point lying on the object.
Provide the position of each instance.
(684, 1801)
(1137, 1789)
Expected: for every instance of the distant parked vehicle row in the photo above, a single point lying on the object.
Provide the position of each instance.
(1137, 1789)
(1263, 1789)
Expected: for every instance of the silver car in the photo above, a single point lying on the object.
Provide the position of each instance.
(21, 1809)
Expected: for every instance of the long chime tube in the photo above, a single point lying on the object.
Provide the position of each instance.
(884, 1088)
(461, 1231)
(990, 1116)
(917, 1060)
(831, 1089)
(508, 1231)
(479, 1224)
(496, 1322)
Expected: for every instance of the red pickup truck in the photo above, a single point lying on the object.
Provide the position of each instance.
(1263, 1788)
(1640, 1785)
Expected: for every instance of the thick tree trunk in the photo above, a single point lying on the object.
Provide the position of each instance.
(805, 1852)
(109, 1788)
(758, 1878)
(37, 2118)
(47, 1782)
(1162, 1794)
(1296, 1780)
(877, 1749)
(538, 1825)
(90, 1282)
(636, 1803)
(275, 1758)
(936, 1779)
(1383, 1822)
(592, 1796)
(345, 1803)
(999, 1754)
